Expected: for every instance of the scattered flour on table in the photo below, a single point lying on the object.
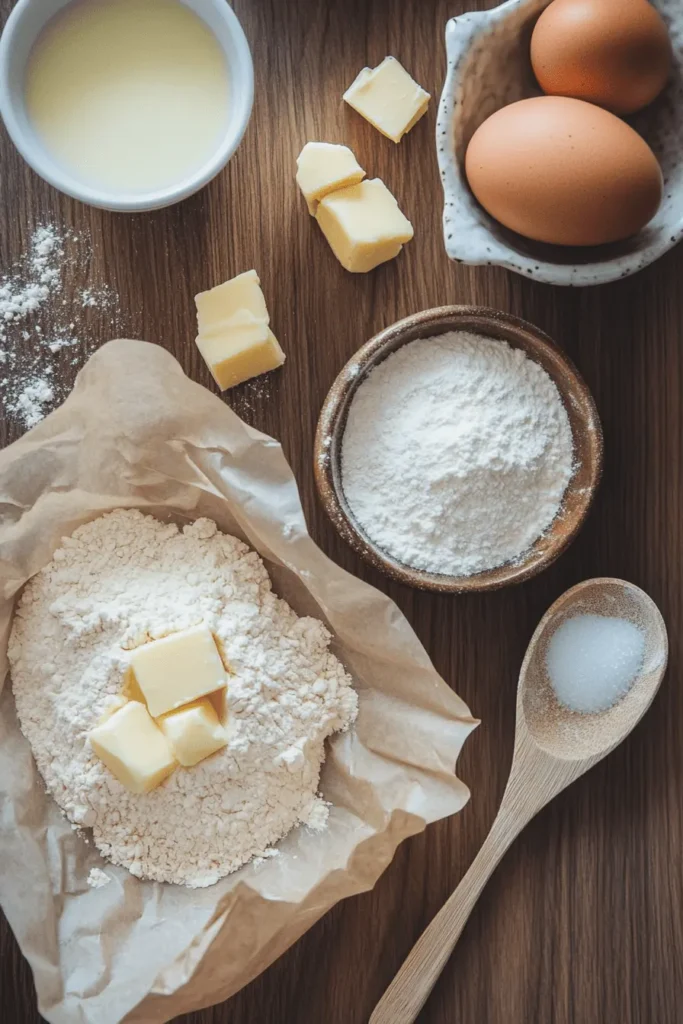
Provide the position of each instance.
(120, 581)
(38, 324)
(456, 454)
(24, 293)
(29, 403)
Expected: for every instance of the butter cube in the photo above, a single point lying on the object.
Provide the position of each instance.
(243, 349)
(134, 749)
(388, 98)
(234, 338)
(323, 167)
(178, 669)
(221, 304)
(363, 225)
(193, 732)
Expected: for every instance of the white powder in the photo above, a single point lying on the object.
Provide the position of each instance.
(98, 878)
(47, 249)
(456, 454)
(37, 322)
(29, 403)
(120, 581)
(61, 341)
(102, 297)
(592, 661)
(23, 293)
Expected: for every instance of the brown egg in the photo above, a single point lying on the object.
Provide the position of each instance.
(615, 53)
(560, 170)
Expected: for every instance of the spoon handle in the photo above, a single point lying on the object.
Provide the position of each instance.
(408, 992)
(535, 778)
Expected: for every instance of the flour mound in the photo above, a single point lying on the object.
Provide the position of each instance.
(123, 580)
(456, 454)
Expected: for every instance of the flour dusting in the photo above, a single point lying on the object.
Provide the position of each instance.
(41, 329)
(29, 404)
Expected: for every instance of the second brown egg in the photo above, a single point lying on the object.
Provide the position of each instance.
(615, 53)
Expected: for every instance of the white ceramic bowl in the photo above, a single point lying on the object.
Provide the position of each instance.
(23, 27)
(489, 67)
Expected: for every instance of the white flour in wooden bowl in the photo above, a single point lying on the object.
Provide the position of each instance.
(456, 454)
(120, 581)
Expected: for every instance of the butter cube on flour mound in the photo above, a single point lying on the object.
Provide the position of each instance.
(363, 225)
(194, 732)
(130, 744)
(178, 669)
(388, 98)
(323, 167)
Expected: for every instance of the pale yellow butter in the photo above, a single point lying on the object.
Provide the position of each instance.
(234, 337)
(130, 744)
(243, 349)
(193, 732)
(388, 98)
(221, 304)
(363, 225)
(178, 669)
(323, 167)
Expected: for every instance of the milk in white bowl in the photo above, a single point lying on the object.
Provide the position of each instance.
(129, 95)
(126, 104)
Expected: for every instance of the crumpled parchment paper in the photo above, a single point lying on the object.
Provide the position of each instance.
(137, 432)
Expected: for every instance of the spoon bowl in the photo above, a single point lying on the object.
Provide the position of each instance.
(553, 747)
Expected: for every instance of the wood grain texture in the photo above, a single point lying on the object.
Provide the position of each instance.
(582, 922)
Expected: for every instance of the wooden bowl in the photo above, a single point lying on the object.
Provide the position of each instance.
(577, 399)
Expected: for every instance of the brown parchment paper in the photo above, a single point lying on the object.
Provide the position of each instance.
(137, 432)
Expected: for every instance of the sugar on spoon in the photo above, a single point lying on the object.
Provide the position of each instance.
(553, 747)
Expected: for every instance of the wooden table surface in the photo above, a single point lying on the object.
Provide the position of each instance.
(582, 923)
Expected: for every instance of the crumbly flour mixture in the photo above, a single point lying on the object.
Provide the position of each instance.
(120, 581)
(456, 454)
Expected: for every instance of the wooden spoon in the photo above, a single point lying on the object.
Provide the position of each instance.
(553, 747)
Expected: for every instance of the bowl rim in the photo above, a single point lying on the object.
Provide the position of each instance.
(431, 322)
(241, 103)
(462, 33)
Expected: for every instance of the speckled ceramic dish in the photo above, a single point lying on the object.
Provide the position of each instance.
(489, 67)
(578, 402)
